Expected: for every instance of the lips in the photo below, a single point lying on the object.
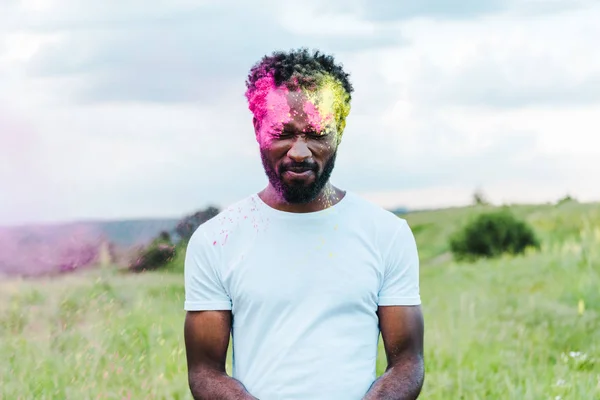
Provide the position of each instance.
(298, 175)
(298, 172)
(299, 168)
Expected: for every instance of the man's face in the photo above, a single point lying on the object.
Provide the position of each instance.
(298, 142)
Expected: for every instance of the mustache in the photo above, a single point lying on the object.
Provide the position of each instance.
(299, 166)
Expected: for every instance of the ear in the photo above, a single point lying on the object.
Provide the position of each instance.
(256, 124)
(340, 132)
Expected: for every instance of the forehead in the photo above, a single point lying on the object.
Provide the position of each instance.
(298, 99)
(299, 110)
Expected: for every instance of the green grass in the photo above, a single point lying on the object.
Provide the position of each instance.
(509, 328)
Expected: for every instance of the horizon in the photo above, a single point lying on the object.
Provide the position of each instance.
(397, 208)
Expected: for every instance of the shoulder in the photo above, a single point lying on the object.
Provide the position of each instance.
(371, 214)
(388, 232)
(219, 228)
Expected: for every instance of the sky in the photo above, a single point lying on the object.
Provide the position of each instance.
(136, 109)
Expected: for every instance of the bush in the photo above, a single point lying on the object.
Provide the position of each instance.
(491, 235)
(188, 225)
(152, 258)
(565, 200)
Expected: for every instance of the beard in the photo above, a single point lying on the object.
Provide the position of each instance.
(298, 192)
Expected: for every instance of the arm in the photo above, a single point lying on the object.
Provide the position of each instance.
(402, 332)
(400, 321)
(206, 340)
(207, 325)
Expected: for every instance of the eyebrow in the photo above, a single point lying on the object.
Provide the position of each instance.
(285, 128)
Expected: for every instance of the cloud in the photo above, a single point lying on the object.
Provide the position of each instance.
(122, 160)
(187, 55)
(121, 109)
(523, 76)
(23, 168)
(499, 61)
(390, 10)
(440, 152)
(538, 8)
(387, 11)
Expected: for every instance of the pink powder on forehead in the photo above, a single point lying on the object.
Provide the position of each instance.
(277, 108)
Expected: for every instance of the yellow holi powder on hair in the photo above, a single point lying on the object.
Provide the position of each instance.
(330, 99)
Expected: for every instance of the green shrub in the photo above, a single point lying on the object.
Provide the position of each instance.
(566, 200)
(152, 258)
(491, 235)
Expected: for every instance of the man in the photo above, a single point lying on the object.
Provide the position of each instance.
(303, 275)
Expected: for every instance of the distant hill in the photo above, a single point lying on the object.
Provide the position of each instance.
(400, 210)
(123, 233)
(48, 248)
(133, 232)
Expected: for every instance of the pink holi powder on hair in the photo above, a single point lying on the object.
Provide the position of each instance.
(277, 107)
(268, 103)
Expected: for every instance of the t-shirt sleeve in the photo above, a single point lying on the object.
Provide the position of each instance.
(204, 289)
(401, 278)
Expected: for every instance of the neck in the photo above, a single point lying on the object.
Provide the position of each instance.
(328, 197)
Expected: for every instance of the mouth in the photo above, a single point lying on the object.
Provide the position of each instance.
(298, 172)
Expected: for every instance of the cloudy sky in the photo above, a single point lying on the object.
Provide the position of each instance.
(131, 108)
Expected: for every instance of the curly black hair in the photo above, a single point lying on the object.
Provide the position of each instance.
(299, 65)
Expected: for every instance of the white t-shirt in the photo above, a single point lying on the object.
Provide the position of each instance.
(304, 290)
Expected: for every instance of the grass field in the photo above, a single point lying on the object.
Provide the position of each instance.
(513, 328)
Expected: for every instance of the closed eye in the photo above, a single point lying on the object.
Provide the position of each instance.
(284, 135)
(319, 135)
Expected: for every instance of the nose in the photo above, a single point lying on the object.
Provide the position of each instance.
(299, 151)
